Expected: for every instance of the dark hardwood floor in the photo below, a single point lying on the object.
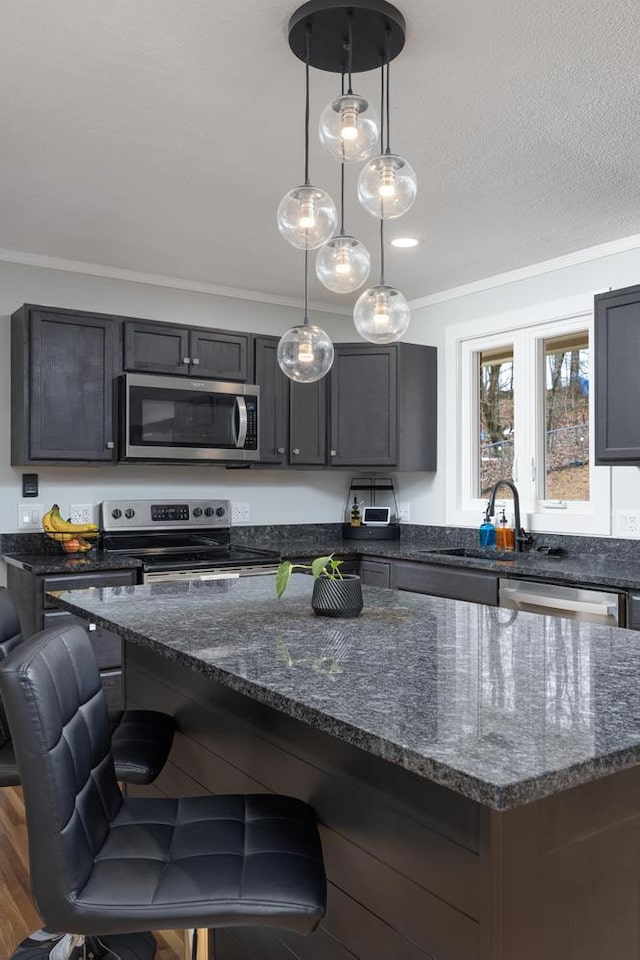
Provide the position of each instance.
(18, 915)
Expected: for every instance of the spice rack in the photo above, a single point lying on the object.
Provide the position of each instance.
(377, 492)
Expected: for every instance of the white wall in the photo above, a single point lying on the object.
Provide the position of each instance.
(274, 496)
(426, 493)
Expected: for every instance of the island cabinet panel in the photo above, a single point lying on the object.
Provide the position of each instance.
(565, 875)
(375, 573)
(475, 586)
(187, 351)
(617, 385)
(63, 365)
(383, 406)
(402, 854)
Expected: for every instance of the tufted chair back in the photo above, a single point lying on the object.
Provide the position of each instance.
(60, 729)
(10, 637)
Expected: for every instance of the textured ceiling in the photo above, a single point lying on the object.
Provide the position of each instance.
(160, 136)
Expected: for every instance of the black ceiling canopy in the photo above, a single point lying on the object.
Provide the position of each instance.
(377, 28)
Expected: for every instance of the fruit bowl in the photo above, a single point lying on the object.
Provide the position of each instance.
(75, 542)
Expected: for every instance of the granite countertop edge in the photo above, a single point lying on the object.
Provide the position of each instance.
(499, 797)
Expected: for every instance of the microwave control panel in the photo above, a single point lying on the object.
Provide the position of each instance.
(251, 442)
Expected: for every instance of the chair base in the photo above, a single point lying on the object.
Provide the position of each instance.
(44, 946)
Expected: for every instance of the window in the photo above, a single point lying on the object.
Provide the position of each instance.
(519, 407)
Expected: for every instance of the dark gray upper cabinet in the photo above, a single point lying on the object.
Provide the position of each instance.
(273, 404)
(293, 416)
(308, 423)
(63, 365)
(384, 406)
(186, 351)
(617, 379)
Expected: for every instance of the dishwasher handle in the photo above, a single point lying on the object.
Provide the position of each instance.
(555, 603)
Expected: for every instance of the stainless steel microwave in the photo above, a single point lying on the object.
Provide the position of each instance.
(182, 418)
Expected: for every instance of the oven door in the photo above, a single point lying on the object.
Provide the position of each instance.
(175, 418)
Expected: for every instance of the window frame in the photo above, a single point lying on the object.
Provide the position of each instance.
(526, 330)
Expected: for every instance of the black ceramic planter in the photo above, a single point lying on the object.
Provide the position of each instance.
(337, 598)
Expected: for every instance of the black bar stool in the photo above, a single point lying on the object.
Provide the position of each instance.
(104, 864)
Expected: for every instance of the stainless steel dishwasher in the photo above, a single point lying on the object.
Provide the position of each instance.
(576, 603)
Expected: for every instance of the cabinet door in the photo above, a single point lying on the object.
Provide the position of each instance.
(273, 403)
(617, 384)
(375, 573)
(364, 406)
(308, 422)
(222, 356)
(71, 372)
(156, 348)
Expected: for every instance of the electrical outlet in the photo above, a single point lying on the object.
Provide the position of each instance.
(81, 513)
(240, 513)
(627, 523)
(404, 512)
(29, 516)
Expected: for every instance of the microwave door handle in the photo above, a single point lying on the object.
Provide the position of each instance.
(241, 432)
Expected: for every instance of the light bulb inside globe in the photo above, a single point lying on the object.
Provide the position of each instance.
(387, 186)
(349, 129)
(305, 353)
(307, 217)
(343, 264)
(381, 314)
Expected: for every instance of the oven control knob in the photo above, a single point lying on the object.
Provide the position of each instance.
(197, 512)
(116, 514)
(129, 513)
(220, 512)
(208, 512)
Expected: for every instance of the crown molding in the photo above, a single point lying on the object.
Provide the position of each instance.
(158, 280)
(608, 249)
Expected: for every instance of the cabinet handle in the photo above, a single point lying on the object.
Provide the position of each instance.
(295, 451)
(334, 453)
(91, 627)
(110, 444)
(281, 450)
(195, 361)
(186, 359)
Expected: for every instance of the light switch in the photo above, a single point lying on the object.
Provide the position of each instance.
(29, 516)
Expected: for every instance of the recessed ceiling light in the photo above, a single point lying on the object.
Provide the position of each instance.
(404, 242)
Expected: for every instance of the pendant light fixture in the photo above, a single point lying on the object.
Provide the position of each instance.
(387, 185)
(381, 313)
(343, 262)
(305, 352)
(307, 214)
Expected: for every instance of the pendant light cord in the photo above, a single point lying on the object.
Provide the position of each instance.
(350, 47)
(306, 107)
(381, 253)
(382, 131)
(387, 104)
(342, 167)
(306, 288)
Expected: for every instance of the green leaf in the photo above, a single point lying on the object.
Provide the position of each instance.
(335, 569)
(283, 576)
(319, 566)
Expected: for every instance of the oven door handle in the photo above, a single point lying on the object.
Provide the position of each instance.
(240, 432)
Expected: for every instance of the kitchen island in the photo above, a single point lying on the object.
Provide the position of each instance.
(476, 772)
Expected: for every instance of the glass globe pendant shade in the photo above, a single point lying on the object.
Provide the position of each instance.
(349, 129)
(343, 264)
(381, 314)
(305, 353)
(307, 217)
(387, 186)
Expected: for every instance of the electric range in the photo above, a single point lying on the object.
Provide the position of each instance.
(180, 540)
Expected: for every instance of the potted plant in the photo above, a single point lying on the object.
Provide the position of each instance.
(335, 594)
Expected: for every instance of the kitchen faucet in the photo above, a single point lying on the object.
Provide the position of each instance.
(522, 536)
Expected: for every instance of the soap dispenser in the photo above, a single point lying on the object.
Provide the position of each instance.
(505, 535)
(487, 531)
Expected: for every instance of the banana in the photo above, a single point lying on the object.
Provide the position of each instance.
(65, 526)
(48, 527)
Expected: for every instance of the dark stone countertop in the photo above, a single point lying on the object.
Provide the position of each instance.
(502, 707)
(71, 562)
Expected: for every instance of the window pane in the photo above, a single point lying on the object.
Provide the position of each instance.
(496, 420)
(566, 417)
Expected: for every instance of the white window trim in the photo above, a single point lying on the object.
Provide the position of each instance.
(461, 396)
